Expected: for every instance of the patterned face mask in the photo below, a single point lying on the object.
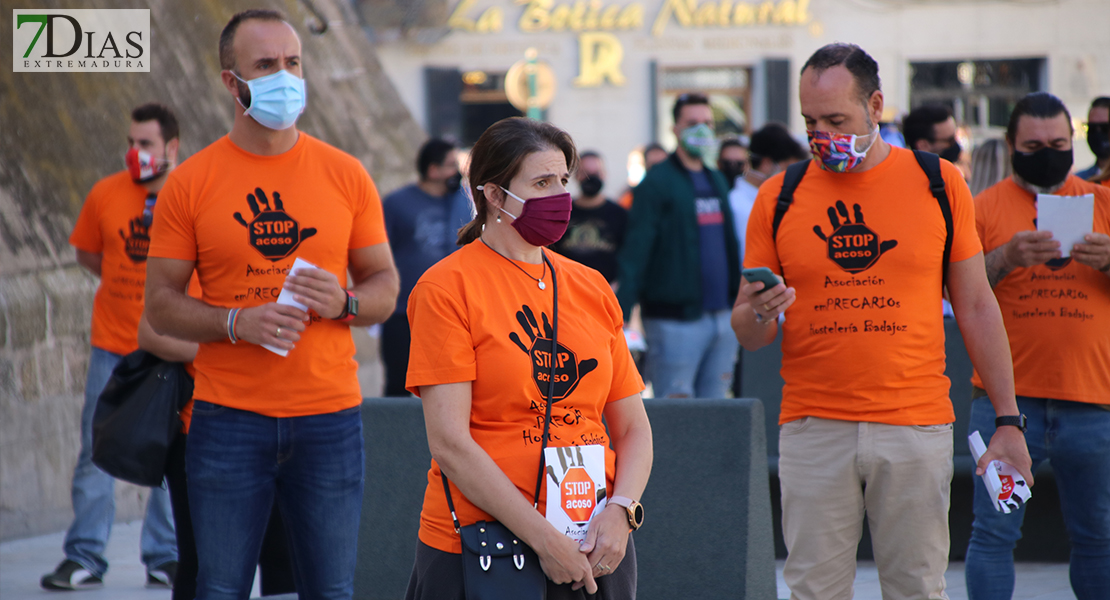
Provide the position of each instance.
(698, 141)
(837, 151)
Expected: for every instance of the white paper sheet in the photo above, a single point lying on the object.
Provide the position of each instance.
(575, 488)
(286, 298)
(1069, 218)
(1005, 484)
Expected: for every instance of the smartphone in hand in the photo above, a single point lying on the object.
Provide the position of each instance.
(767, 276)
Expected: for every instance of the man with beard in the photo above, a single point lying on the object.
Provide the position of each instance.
(422, 220)
(866, 418)
(1056, 306)
(111, 239)
(276, 410)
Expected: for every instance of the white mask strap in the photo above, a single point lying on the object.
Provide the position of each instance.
(874, 135)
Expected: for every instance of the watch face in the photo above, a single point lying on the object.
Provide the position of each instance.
(352, 305)
(638, 514)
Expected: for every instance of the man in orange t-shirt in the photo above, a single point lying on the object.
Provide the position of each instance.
(276, 397)
(1056, 305)
(111, 241)
(866, 421)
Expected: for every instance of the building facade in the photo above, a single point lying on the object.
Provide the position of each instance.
(608, 71)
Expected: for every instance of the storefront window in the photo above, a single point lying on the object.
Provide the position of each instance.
(981, 93)
(729, 95)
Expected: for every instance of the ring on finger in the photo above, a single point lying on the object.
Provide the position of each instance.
(767, 307)
(278, 334)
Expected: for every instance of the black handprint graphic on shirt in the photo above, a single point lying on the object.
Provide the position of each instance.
(854, 247)
(272, 231)
(568, 371)
(137, 243)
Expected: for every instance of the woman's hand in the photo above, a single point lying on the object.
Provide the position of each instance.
(607, 540)
(563, 561)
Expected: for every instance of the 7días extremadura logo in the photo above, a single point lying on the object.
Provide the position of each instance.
(90, 40)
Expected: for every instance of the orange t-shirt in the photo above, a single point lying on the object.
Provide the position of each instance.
(475, 317)
(864, 341)
(111, 224)
(1057, 314)
(243, 218)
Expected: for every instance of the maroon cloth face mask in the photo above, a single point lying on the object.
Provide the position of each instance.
(544, 220)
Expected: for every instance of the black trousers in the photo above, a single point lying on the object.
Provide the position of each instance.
(395, 353)
(275, 561)
(438, 575)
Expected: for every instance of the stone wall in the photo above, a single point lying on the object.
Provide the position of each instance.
(61, 132)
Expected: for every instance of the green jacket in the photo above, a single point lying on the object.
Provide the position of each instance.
(660, 261)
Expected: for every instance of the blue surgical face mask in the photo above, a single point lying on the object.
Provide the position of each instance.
(276, 100)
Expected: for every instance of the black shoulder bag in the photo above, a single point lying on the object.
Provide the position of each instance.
(138, 416)
(496, 564)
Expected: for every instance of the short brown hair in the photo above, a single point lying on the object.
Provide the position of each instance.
(153, 111)
(227, 36)
(498, 154)
(687, 99)
(864, 69)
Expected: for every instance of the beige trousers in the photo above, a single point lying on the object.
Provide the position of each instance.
(834, 472)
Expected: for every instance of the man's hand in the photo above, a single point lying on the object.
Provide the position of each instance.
(277, 325)
(1008, 445)
(607, 539)
(1095, 253)
(768, 304)
(319, 290)
(1030, 248)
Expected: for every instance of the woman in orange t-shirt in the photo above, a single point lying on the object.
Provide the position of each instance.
(484, 321)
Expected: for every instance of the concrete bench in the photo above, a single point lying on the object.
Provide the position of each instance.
(707, 532)
(1043, 533)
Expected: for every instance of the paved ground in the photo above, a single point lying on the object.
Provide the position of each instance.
(23, 562)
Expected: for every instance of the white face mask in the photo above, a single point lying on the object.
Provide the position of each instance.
(276, 99)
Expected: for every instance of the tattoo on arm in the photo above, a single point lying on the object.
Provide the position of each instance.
(997, 268)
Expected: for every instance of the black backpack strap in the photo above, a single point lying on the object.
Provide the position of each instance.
(790, 181)
(930, 163)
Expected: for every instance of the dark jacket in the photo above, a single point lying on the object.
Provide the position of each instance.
(660, 261)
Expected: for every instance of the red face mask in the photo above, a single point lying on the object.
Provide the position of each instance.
(544, 220)
(144, 167)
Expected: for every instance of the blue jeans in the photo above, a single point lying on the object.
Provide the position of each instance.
(238, 461)
(94, 505)
(1075, 437)
(691, 359)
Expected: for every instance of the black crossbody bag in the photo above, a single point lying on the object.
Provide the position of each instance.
(496, 564)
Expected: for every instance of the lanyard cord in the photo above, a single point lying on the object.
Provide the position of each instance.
(550, 399)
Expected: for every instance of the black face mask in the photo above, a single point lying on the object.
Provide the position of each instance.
(951, 153)
(453, 183)
(591, 185)
(1044, 168)
(732, 169)
(1098, 138)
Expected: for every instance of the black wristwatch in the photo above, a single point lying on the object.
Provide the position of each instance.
(1020, 421)
(350, 310)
